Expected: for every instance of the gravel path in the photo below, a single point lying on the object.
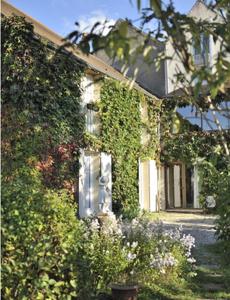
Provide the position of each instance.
(198, 225)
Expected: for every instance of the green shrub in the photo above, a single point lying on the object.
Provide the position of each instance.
(39, 241)
(215, 181)
(223, 221)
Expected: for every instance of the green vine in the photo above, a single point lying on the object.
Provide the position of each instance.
(42, 131)
(42, 124)
(151, 127)
(122, 127)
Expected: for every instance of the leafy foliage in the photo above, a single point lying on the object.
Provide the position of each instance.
(41, 133)
(121, 130)
(39, 239)
(121, 136)
(223, 222)
(40, 103)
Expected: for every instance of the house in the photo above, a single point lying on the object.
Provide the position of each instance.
(95, 173)
(159, 185)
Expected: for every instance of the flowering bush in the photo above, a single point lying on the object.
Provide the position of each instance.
(130, 252)
(100, 258)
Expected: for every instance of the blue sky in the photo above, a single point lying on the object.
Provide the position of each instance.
(60, 15)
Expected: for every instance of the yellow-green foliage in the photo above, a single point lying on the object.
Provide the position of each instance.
(121, 136)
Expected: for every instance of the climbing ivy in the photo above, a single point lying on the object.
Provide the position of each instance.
(121, 130)
(151, 129)
(40, 103)
(122, 127)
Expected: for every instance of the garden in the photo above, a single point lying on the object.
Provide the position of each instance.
(47, 252)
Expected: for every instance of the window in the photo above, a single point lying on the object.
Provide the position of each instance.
(90, 108)
(92, 118)
(201, 52)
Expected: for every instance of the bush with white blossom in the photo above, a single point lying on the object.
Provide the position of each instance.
(143, 252)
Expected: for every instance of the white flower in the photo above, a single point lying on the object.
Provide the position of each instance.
(131, 256)
(191, 260)
(134, 244)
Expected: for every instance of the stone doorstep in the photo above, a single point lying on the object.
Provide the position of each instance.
(185, 210)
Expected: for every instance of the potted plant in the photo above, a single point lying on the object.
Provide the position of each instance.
(124, 292)
(126, 286)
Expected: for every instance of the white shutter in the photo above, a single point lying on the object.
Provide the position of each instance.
(87, 85)
(87, 183)
(141, 196)
(168, 188)
(106, 170)
(148, 185)
(153, 184)
(81, 184)
(92, 166)
(85, 192)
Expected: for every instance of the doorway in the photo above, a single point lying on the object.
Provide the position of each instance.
(179, 186)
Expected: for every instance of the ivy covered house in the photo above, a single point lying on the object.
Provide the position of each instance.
(97, 122)
(109, 138)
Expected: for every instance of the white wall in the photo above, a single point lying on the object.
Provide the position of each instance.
(200, 12)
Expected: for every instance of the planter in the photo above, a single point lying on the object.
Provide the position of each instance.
(124, 292)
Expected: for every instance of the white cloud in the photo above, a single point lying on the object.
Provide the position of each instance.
(86, 22)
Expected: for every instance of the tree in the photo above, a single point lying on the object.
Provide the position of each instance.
(160, 22)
